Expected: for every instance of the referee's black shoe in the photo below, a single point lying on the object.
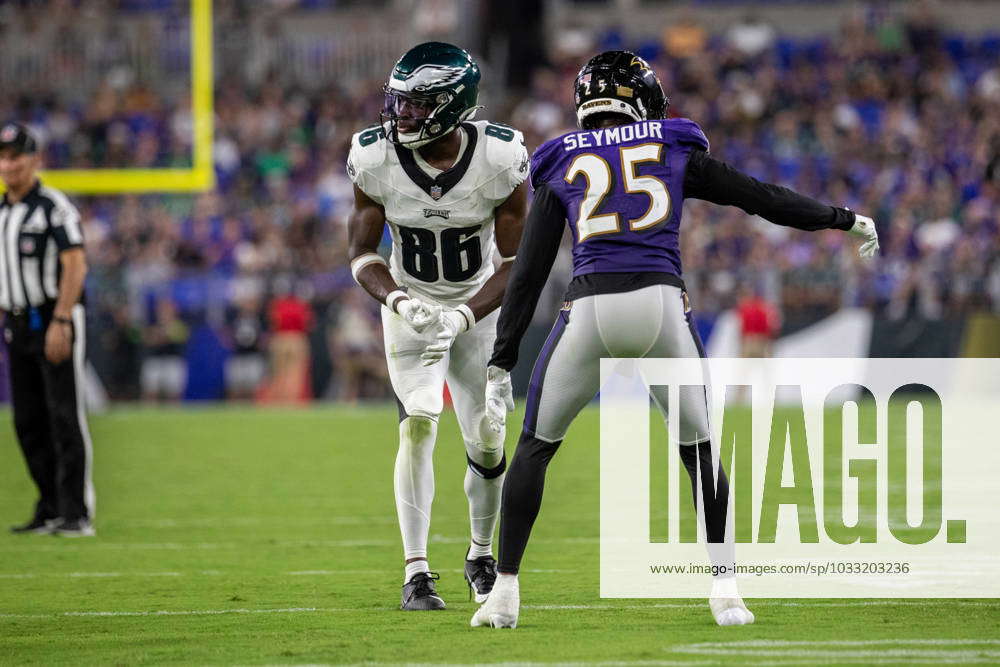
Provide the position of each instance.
(73, 528)
(419, 593)
(39, 525)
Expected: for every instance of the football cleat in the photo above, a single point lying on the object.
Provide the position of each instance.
(502, 606)
(730, 611)
(73, 528)
(480, 574)
(38, 525)
(419, 594)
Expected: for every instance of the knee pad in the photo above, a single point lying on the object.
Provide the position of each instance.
(486, 454)
(488, 473)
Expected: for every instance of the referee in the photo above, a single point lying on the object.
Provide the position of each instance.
(42, 269)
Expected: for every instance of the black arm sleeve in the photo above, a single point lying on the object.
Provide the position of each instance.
(715, 181)
(537, 251)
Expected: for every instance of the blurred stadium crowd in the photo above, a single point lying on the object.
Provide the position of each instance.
(891, 116)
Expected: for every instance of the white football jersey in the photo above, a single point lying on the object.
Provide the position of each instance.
(441, 222)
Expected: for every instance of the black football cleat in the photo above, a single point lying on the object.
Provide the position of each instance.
(481, 574)
(73, 528)
(419, 593)
(39, 525)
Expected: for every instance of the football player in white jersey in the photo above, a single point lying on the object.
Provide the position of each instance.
(450, 190)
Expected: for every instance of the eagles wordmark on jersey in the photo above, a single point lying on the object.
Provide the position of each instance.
(441, 221)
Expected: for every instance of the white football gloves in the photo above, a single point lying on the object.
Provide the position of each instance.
(418, 314)
(865, 228)
(450, 324)
(499, 397)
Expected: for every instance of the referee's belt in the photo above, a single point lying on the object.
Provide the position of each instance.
(24, 313)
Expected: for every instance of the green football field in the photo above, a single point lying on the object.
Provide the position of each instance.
(248, 536)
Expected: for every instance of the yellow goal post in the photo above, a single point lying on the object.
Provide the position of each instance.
(201, 175)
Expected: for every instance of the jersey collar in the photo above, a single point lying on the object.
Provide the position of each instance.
(438, 186)
(29, 195)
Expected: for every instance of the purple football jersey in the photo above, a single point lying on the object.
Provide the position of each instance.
(623, 192)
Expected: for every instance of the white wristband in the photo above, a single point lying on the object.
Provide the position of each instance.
(361, 261)
(466, 312)
(395, 297)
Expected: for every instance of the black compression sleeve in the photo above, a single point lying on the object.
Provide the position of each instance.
(715, 181)
(537, 251)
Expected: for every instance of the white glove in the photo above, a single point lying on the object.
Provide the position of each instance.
(418, 314)
(499, 397)
(450, 324)
(865, 228)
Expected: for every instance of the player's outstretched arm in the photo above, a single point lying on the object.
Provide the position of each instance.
(715, 181)
(508, 223)
(364, 231)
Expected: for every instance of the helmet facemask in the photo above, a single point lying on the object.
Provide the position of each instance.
(416, 119)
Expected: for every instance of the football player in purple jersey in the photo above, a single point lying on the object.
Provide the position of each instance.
(620, 183)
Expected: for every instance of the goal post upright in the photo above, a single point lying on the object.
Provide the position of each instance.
(201, 175)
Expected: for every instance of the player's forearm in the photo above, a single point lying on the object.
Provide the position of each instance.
(509, 229)
(372, 274)
(490, 295)
(715, 181)
(73, 273)
(364, 231)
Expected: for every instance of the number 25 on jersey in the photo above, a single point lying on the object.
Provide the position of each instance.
(597, 173)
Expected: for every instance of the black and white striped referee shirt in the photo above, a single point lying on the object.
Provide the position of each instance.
(33, 231)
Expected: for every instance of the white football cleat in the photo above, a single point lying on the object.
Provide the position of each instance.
(730, 611)
(502, 607)
(727, 605)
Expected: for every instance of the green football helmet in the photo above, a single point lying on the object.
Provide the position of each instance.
(431, 90)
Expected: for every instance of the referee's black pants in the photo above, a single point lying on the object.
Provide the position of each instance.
(49, 415)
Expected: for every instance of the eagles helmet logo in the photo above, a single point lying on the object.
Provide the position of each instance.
(428, 76)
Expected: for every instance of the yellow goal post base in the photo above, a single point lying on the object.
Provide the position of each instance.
(201, 176)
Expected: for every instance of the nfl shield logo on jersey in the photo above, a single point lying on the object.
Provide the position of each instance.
(436, 192)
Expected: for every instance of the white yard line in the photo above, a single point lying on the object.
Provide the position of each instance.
(697, 602)
(871, 659)
(223, 522)
(190, 612)
(207, 573)
(68, 545)
(742, 652)
(963, 651)
(542, 607)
